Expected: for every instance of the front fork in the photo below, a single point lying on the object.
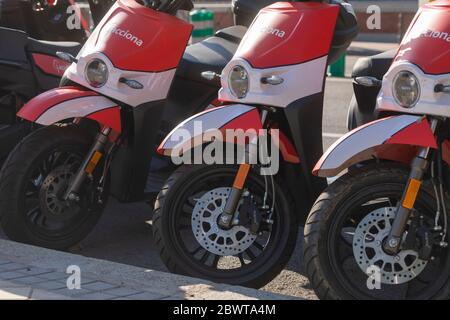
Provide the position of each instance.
(405, 207)
(88, 166)
(228, 215)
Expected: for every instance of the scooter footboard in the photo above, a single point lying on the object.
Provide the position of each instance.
(65, 103)
(393, 138)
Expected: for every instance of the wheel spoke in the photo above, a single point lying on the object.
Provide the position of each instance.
(56, 158)
(347, 235)
(187, 209)
(257, 245)
(205, 256)
(42, 171)
(372, 245)
(215, 261)
(404, 290)
(31, 194)
(241, 259)
(250, 254)
(70, 157)
(195, 251)
(193, 200)
(41, 220)
(347, 257)
(34, 214)
(184, 223)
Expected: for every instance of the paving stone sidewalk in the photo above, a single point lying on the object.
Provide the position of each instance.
(28, 272)
(21, 281)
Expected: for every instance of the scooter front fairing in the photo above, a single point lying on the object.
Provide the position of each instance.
(122, 76)
(135, 72)
(277, 47)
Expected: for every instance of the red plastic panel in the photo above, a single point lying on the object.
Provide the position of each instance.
(289, 33)
(417, 134)
(427, 43)
(141, 39)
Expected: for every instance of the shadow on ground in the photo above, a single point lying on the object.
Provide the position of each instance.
(124, 235)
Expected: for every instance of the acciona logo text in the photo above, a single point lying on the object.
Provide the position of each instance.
(436, 35)
(127, 35)
(273, 31)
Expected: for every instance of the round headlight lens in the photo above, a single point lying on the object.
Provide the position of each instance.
(239, 82)
(96, 73)
(406, 89)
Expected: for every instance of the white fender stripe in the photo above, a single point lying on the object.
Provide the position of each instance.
(211, 119)
(75, 108)
(359, 140)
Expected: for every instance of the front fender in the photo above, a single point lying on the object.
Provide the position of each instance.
(393, 138)
(65, 103)
(203, 127)
(199, 128)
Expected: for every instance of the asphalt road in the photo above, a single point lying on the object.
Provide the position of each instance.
(124, 233)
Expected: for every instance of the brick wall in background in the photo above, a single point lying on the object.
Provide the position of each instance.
(396, 15)
(391, 22)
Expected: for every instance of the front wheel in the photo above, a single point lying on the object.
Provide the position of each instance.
(191, 242)
(345, 232)
(33, 181)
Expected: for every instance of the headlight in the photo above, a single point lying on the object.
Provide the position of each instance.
(96, 73)
(238, 82)
(406, 89)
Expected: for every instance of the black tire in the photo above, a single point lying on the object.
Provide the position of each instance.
(328, 213)
(20, 167)
(176, 257)
(10, 136)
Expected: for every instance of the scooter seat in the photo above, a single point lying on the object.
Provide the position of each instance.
(51, 47)
(374, 66)
(211, 54)
(233, 33)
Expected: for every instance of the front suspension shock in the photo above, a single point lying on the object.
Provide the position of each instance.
(88, 166)
(405, 207)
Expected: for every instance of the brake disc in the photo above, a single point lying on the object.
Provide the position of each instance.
(207, 231)
(53, 186)
(370, 256)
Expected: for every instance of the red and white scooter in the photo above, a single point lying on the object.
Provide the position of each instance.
(99, 132)
(232, 223)
(380, 231)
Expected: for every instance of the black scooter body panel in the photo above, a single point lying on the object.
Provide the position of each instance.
(137, 169)
(131, 163)
(15, 67)
(304, 118)
(362, 107)
(44, 80)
